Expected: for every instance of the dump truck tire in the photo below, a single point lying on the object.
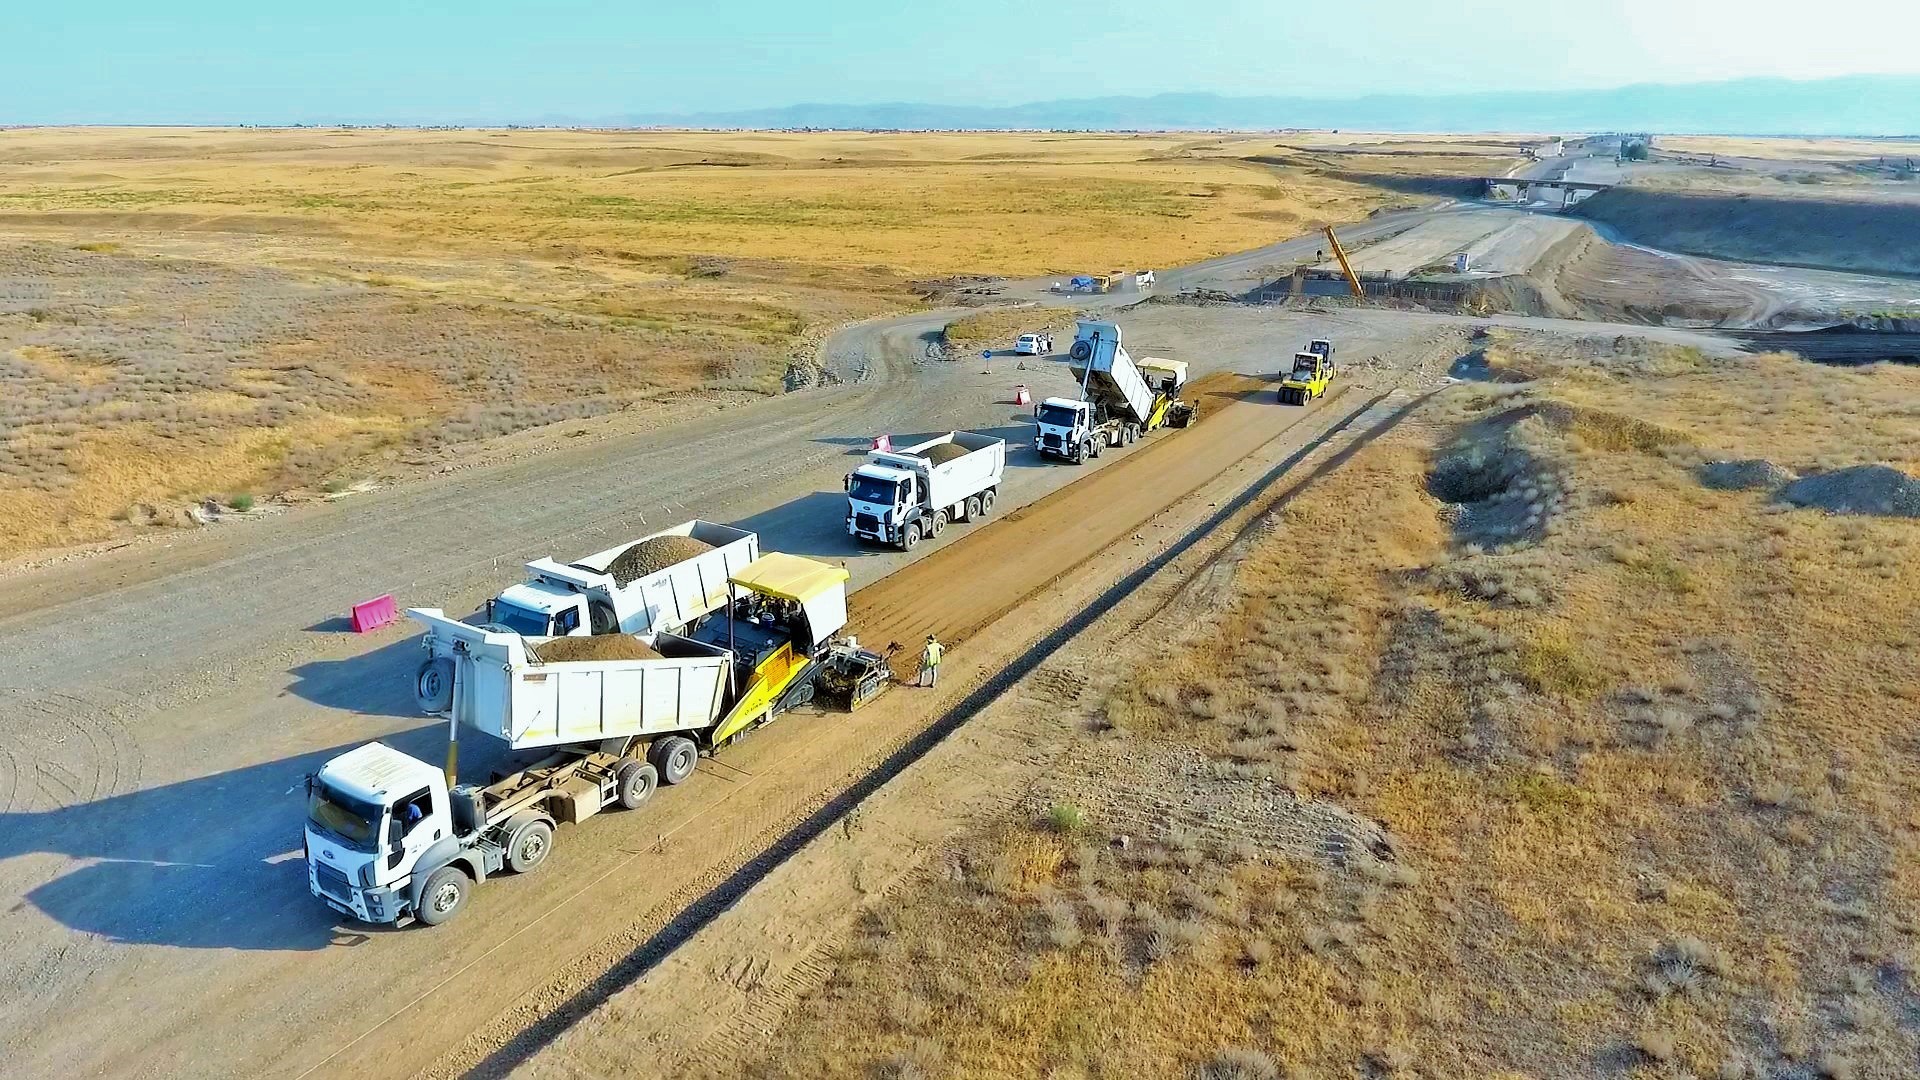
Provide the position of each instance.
(674, 758)
(433, 685)
(633, 784)
(986, 502)
(939, 523)
(444, 894)
(1081, 350)
(911, 537)
(601, 619)
(974, 507)
(529, 839)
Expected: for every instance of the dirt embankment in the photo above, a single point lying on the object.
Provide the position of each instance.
(1873, 236)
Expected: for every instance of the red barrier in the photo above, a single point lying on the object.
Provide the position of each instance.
(883, 443)
(1021, 397)
(374, 614)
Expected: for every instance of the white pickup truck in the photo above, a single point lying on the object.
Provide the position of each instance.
(586, 596)
(902, 496)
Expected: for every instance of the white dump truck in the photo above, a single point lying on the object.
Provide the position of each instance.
(901, 496)
(1120, 399)
(614, 592)
(391, 838)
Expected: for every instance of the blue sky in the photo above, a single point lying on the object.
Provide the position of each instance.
(221, 61)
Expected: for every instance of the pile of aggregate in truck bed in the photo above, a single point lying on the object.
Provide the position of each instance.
(599, 647)
(653, 555)
(942, 453)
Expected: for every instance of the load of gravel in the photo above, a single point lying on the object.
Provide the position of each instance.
(599, 647)
(941, 453)
(653, 555)
(1862, 489)
(1746, 474)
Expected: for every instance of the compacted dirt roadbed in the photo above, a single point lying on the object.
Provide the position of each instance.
(960, 589)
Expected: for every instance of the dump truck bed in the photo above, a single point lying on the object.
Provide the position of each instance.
(500, 688)
(668, 598)
(1111, 377)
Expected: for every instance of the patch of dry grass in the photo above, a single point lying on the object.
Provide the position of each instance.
(219, 310)
(1651, 816)
(999, 328)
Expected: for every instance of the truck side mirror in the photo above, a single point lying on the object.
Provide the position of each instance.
(846, 482)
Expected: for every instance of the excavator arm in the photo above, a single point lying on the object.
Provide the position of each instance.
(1340, 253)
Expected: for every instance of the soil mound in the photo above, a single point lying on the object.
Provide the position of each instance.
(653, 555)
(599, 647)
(1879, 490)
(1746, 474)
(945, 452)
(1869, 235)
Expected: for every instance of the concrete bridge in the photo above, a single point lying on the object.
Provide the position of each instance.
(1560, 193)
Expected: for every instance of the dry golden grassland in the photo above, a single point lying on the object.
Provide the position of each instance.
(1641, 748)
(999, 328)
(1789, 148)
(188, 314)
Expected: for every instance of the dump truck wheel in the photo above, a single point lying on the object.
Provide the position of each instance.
(910, 538)
(675, 758)
(633, 783)
(1081, 350)
(444, 895)
(528, 843)
(601, 619)
(986, 502)
(974, 507)
(939, 523)
(433, 685)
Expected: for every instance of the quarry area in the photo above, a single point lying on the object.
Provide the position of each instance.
(1479, 640)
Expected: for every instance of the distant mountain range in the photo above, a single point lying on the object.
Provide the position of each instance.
(1855, 105)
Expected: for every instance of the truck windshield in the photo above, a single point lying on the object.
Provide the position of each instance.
(521, 620)
(1057, 415)
(353, 821)
(866, 489)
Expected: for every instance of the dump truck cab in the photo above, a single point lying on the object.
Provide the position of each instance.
(373, 816)
(538, 609)
(1064, 428)
(883, 495)
(1308, 379)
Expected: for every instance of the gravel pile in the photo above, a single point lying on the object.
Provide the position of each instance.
(945, 452)
(1862, 489)
(1747, 474)
(600, 647)
(653, 555)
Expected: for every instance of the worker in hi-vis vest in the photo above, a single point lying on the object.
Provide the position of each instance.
(930, 662)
